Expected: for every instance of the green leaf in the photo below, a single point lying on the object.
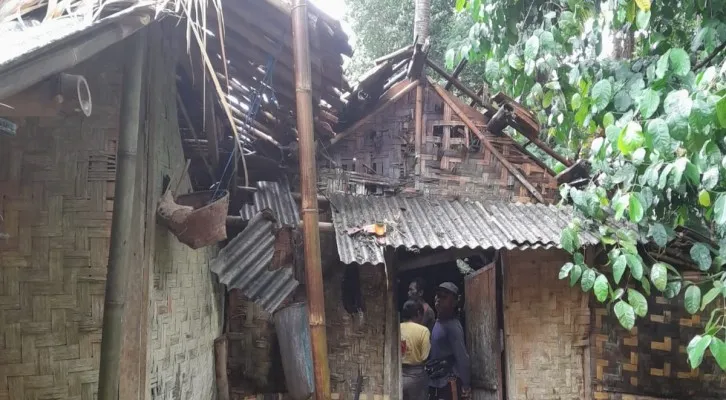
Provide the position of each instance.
(449, 58)
(659, 276)
(625, 314)
(565, 270)
(638, 301)
(718, 350)
(696, 347)
(635, 209)
(515, 62)
(678, 104)
(643, 5)
(649, 102)
(602, 92)
(721, 111)
(569, 240)
(704, 198)
(631, 138)
(710, 296)
(608, 119)
(575, 274)
(619, 268)
(710, 178)
(663, 180)
(460, 4)
(719, 209)
(621, 204)
(546, 40)
(680, 62)
(601, 288)
(702, 256)
(636, 265)
(576, 101)
(646, 286)
(658, 232)
(662, 65)
(692, 299)
(657, 129)
(672, 289)
(588, 279)
(531, 48)
(642, 19)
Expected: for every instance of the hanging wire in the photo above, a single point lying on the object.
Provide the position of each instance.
(266, 84)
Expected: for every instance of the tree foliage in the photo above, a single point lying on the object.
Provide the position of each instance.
(650, 117)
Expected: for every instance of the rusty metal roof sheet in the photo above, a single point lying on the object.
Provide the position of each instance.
(426, 222)
(275, 196)
(243, 263)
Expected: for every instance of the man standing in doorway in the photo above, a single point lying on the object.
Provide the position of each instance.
(415, 292)
(449, 367)
(415, 346)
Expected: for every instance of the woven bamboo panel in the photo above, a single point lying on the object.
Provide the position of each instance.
(283, 396)
(546, 328)
(452, 161)
(651, 359)
(354, 343)
(56, 181)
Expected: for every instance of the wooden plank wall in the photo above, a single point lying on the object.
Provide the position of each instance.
(381, 154)
(651, 359)
(546, 328)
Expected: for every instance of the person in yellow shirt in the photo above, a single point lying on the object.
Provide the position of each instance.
(415, 346)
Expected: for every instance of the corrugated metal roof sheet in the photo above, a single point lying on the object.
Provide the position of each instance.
(426, 222)
(243, 263)
(275, 196)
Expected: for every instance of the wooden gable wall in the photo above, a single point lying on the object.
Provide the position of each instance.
(381, 156)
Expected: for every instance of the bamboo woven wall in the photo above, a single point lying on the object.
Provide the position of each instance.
(546, 327)
(382, 154)
(352, 344)
(651, 359)
(56, 188)
(185, 315)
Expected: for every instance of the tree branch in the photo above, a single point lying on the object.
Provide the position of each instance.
(710, 57)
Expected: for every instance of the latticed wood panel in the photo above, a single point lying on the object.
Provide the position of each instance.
(651, 359)
(452, 162)
(545, 326)
(56, 189)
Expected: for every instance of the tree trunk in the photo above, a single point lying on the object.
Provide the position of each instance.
(624, 45)
(422, 20)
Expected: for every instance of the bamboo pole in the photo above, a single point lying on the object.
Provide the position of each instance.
(418, 126)
(308, 177)
(123, 206)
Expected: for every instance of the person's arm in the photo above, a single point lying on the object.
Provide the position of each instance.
(458, 346)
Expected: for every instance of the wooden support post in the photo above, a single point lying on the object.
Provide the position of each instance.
(418, 128)
(392, 342)
(210, 126)
(309, 181)
(220, 367)
(485, 141)
(383, 106)
(123, 218)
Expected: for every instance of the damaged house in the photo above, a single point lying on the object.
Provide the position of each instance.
(143, 165)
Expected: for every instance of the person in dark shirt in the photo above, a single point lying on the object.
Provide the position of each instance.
(415, 292)
(452, 380)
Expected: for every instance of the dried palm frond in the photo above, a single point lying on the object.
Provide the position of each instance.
(194, 12)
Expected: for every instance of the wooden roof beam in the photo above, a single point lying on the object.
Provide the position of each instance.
(396, 56)
(459, 68)
(390, 98)
(485, 141)
(490, 109)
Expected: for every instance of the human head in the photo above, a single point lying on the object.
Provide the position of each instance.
(447, 296)
(412, 311)
(416, 289)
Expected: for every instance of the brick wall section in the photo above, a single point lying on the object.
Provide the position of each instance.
(56, 185)
(546, 326)
(185, 315)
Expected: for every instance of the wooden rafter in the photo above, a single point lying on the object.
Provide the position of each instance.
(446, 96)
(396, 56)
(490, 109)
(459, 68)
(390, 99)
